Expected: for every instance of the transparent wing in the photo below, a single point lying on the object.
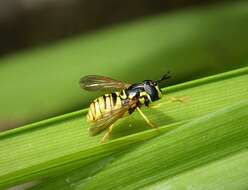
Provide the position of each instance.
(95, 82)
(109, 118)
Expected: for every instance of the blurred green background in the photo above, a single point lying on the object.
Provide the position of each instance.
(46, 47)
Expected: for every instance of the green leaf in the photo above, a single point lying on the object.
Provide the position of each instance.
(61, 145)
(215, 136)
(217, 174)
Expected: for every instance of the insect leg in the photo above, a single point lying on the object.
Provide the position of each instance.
(146, 119)
(107, 134)
(176, 99)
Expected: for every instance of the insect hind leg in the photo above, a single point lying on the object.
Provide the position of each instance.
(107, 134)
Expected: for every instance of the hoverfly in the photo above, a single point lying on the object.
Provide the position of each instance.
(123, 100)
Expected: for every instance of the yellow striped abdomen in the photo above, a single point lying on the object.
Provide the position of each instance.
(104, 105)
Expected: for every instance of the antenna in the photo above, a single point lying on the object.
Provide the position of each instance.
(164, 77)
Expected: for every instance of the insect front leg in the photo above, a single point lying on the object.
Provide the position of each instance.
(178, 99)
(146, 119)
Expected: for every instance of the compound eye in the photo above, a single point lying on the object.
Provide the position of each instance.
(148, 88)
(151, 90)
(148, 82)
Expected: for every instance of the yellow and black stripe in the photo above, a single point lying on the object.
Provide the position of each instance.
(105, 104)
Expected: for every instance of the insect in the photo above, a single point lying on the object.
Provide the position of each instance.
(122, 101)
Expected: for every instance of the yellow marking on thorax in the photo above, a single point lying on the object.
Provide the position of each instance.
(143, 94)
(142, 98)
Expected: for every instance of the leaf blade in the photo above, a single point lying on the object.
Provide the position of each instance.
(64, 140)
